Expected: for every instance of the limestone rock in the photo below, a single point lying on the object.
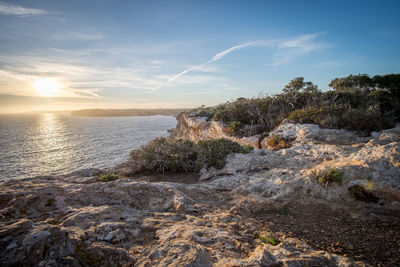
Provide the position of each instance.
(73, 220)
(201, 128)
(303, 133)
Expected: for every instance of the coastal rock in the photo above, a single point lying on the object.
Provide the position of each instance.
(202, 128)
(68, 221)
(127, 169)
(305, 133)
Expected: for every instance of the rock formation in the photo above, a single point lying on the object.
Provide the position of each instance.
(265, 208)
(196, 128)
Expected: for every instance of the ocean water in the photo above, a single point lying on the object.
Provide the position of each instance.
(53, 144)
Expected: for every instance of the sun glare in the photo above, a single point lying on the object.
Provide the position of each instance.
(47, 87)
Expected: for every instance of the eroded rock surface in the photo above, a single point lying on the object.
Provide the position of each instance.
(197, 128)
(223, 220)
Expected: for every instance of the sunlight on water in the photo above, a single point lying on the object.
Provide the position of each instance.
(50, 143)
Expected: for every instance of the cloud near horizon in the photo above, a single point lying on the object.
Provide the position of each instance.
(10, 9)
(81, 79)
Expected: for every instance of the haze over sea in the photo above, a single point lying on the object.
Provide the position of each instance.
(54, 143)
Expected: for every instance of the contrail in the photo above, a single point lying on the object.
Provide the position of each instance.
(293, 47)
(217, 57)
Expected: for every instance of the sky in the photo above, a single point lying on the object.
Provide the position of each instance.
(183, 54)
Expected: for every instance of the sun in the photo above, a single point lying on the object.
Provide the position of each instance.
(47, 87)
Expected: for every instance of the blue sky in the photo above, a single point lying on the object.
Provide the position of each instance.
(121, 54)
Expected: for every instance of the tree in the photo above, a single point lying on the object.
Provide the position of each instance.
(390, 82)
(352, 83)
(297, 85)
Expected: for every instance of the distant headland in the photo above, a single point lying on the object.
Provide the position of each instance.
(127, 112)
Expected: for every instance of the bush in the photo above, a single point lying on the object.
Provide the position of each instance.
(308, 114)
(108, 177)
(205, 111)
(213, 152)
(332, 175)
(358, 103)
(164, 154)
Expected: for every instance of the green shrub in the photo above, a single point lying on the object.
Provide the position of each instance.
(108, 177)
(332, 175)
(358, 103)
(203, 111)
(308, 114)
(269, 239)
(164, 154)
(213, 152)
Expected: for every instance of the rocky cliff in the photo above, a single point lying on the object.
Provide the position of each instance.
(266, 208)
(195, 128)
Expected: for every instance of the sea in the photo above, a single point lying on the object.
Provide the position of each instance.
(55, 143)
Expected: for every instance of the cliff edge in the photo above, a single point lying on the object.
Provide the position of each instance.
(317, 197)
(195, 128)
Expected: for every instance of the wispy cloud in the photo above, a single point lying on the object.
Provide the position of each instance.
(215, 58)
(78, 78)
(286, 50)
(94, 73)
(290, 49)
(9, 9)
(222, 54)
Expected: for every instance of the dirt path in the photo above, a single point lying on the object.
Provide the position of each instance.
(373, 238)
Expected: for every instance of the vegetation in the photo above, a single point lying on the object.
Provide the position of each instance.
(163, 154)
(213, 152)
(332, 175)
(166, 154)
(269, 239)
(277, 142)
(357, 102)
(233, 127)
(108, 177)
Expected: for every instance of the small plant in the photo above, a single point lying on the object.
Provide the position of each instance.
(332, 175)
(269, 239)
(247, 149)
(369, 185)
(108, 177)
(278, 142)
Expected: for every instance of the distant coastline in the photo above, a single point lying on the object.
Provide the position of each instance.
(127, 112)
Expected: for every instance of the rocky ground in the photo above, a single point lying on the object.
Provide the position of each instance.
(265, 208)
